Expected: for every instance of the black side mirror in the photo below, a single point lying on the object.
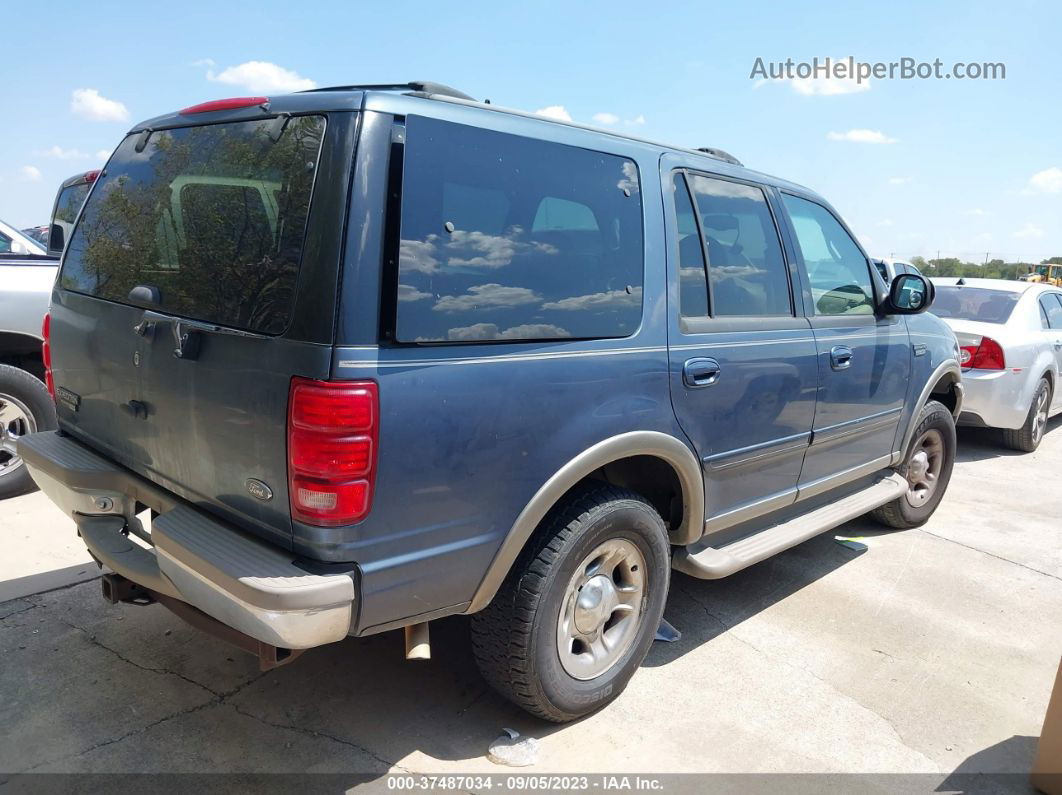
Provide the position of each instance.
(910, 294)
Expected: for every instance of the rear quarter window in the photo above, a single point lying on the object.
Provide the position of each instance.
(213, 216)
(505, 237)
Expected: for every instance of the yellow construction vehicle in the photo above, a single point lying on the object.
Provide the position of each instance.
(1045, 274)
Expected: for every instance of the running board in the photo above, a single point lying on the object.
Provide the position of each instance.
(711, 563)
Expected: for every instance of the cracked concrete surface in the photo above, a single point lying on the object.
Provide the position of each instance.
(932, 651)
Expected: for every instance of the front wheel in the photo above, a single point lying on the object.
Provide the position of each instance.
(578, 612)
(927, 467)
(25, 407)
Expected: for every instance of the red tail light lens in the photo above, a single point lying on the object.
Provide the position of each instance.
(46, 353)
(225, 104)
(986, 356)
(333, 428)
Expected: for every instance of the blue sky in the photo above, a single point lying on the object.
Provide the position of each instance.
(916, 167)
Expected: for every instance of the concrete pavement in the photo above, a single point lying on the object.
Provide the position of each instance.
(930, 650)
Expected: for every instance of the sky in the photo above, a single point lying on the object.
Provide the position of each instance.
(967, 168)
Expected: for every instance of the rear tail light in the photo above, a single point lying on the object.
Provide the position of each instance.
(46, 353)
(91, 176)
(333, 427)
(986, 356)
(225, 104)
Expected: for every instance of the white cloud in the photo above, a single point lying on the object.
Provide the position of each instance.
(489, 331)
(407, 292)
(209, 62)
(975, 211)
(885, 222)
(611, 299)
(861, 136)
(104, 155)
(637, 121)
(605, 118)
(29, 174)
(62, 154)
(262, 76)
(900, 180)
(89, 104)
(485, 296)
(1047, 181)
(827, 86)
(1029, 230)
(557, 112)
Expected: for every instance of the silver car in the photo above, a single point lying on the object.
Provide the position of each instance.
(1010, 333)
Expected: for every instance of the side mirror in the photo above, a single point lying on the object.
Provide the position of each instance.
(910, 294)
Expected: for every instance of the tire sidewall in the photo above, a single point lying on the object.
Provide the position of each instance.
(639, 524)
(32, 394)
(1030, 421)
(936, 416)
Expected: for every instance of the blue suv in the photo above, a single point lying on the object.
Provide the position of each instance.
(354, 359)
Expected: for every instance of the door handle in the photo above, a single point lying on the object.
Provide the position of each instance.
(1058, 344)
(700, 372)
(840, 357)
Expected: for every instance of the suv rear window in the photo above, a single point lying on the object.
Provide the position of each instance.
(511, 238)
(213, 216)
(974, 303)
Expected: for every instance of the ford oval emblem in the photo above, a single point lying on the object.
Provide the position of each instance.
(259, 490)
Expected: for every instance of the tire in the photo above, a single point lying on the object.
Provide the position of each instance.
(1028, 437)
(517, 639)
(935, 429)
(25, 407)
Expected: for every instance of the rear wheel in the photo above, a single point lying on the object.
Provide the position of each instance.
(578, 612)
(927, 467)
(1027, 438)
(25, 407)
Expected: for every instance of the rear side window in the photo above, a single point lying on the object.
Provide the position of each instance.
(511, 238)
(837, 269)
(66, 208)
(212, 216)
(1053, 309)
(746, 270)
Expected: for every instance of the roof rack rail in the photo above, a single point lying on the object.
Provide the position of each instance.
(720, 154)
(419, 86)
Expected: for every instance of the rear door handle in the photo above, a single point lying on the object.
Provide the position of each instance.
(840, 357)
(700, 372)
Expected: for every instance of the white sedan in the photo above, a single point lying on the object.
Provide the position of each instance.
(1010, 334)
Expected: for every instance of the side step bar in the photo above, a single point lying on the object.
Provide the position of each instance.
(711, 563)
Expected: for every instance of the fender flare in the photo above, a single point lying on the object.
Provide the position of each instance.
(625, 445)
(948, 366)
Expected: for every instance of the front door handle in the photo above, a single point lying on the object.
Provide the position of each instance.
(840, 357)
(700, 372)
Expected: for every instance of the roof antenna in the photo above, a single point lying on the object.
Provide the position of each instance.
(962, 281)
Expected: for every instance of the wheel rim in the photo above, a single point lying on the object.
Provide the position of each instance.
(923, 467)
(1040, 415)
(15, 421)
(602, 609)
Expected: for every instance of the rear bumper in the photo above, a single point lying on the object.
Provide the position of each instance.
(193, 557)
(995, 398)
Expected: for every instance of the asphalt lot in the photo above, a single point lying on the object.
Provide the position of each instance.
(927, 651)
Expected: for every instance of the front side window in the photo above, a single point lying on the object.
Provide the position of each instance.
(213, 217)
(511, 238)
(837, 270)
(746, 269)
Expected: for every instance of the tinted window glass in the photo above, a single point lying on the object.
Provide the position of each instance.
(837, 269)
(1053, 309)
(5, 243)
(693, 284)
(66, 208)
(506, 237)
(746, 269)
(974, 303)
(212, 216)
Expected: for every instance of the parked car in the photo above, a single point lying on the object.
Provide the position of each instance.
(891, 268)
(25, 406)
(38, 234)
(12, 241)
(68, 203)
(1011, 338)
(377, 355)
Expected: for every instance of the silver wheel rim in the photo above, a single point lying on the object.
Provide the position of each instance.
(15, 421)
(1040, 415)
(602, 609)
(924, 466)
